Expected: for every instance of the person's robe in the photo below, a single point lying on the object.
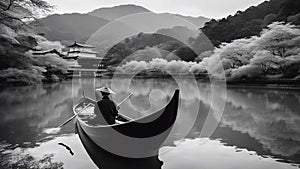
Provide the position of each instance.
(106, 111)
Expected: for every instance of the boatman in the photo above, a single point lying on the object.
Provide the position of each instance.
(106, 111)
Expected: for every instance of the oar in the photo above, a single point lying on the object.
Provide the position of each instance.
(124, 100)
(71, 118)
(88, 106)
(57, 129)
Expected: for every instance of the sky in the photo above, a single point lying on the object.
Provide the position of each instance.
(208, 8)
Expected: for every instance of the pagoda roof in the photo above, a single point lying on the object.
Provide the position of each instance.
(80, 45)
(89, 52)
(45, 52)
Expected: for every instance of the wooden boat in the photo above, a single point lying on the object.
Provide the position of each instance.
(134, 138)
(106, 160)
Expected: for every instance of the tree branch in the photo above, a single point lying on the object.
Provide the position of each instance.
(11, 2)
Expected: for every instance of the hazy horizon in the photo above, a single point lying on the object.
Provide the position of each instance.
(210, 9)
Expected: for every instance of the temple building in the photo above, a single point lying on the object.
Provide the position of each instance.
(81, 50)
(86, 57)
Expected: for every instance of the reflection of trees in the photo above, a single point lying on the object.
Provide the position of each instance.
(27, 161)
(25, 111)
(271, 117)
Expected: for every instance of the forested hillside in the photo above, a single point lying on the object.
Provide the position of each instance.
(252, 21)
(273, 55)
(145, 47)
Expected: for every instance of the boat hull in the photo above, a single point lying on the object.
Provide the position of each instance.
(106, 160)
(137, 138)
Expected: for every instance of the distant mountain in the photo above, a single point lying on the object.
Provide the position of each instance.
(112, 13)
(124, 10)
(79, 27)
(72, 27)
(110, 35)
(149, 23)
(194, 39)
(183, 34)
(251, 21)
(197, 21)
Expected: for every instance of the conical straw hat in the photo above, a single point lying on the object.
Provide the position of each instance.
(106, 90)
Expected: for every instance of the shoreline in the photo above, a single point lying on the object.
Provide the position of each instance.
(269, 83)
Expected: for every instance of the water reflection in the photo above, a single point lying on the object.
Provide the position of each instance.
(28, 161)
(26, 111)
(257, 122)
(214, 154)
(271, 117)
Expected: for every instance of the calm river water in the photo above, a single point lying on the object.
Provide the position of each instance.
(259, 127)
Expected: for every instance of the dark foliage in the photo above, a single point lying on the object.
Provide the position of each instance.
(252, 21)
(131, 45)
